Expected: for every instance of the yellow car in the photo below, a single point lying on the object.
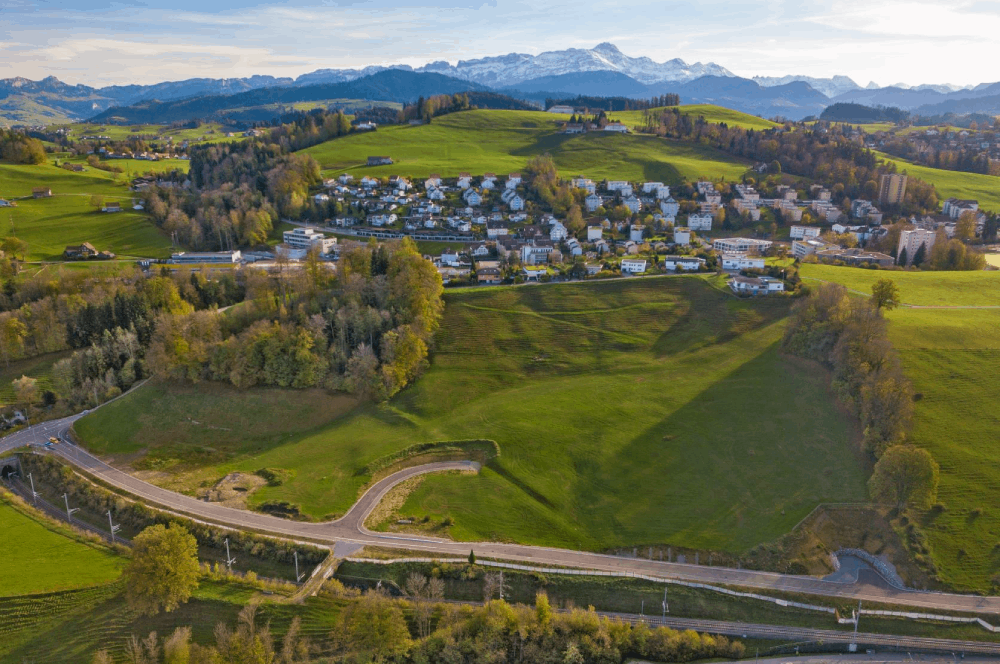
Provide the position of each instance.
(53, 440)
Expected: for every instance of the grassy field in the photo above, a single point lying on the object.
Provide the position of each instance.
(504, 141)
(39, 557)
(39, 367)
(951, 355)
(49, 224)
(618, 408)
(710, 112)
(983, 188)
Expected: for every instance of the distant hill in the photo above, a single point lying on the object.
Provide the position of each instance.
(386, 86)
(858, 113)
(588, 83)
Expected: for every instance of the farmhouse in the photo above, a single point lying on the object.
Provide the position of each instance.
(41, 192)
(112, 207)
(562, 109)
(80, 252)
(379, 161)
(616, 127)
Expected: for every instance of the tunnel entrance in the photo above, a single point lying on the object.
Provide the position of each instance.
(7, 470)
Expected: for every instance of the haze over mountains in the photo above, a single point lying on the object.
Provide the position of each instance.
(601, 71)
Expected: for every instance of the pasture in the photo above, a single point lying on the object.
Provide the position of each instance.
(646, 411)
(504, 141)
(951, 355)
(711, 113)
(48, 225)
(40, 557)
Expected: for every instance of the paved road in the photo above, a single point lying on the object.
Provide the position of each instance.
(350, 529)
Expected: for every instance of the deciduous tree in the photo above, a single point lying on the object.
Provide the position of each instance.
(905, 476)
(164, 569)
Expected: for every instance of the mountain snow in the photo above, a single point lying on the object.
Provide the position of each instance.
(831, 87)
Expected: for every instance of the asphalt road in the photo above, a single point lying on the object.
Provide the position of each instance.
(350, 530)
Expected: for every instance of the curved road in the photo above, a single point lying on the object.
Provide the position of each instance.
(350, 529)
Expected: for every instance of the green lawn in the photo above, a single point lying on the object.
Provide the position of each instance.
(951, 355)
(39, 367)
(983, 188)
(979, 288)
(504, 141)
(49, 224)
(38, 557)
(710, 112)
(647, 411)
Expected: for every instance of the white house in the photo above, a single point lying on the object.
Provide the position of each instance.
(616, 127)
(803, 232)
(700, 222)
(433, 181)
(585, 184)
(308, 238)
(558, 232)
(369, 183)
(346, 178)
(464, 180)
(650, 187)
(535, 254)
(495, 229)
(574, 247)
(513, 180)
(670, 207)
(741, 262)
(685, 263)
(635, 232)
(592, 202)
(633, 265)
(756, 285)
(436, 195)
(472, 197)
(740, 245)
(619, 185)
(594, 233)
(516, 203)
(487, 184)
(682, 235)
(321, 198)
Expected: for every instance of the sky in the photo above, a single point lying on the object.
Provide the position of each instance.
(102, 42)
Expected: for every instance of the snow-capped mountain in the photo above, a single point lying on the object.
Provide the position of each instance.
(831, 87)
(509, 70)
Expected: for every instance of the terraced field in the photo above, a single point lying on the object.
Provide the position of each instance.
(627, 412)
(951, 354)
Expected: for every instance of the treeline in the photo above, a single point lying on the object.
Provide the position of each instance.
(18, 148)
(940, 154)
(108, 319)
(368, 336)
(615, 103)
(850, 336)
(823, 153)
(375, 628)
(431, 107)
(238, 191)
(859, 113)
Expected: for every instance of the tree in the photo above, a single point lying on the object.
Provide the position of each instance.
(885, 294)
(15, 247)
(905, 476)
(920, 255)
(472, 557)
(374, 628)
(177, 647)
(904, 258)
(97, 201)
(164, 569)
(965, 228)
(26, 392)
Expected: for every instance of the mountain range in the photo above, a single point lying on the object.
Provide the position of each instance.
(601, 71)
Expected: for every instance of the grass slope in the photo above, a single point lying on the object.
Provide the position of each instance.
(951, 356)
(49, 224)
(710, 112)
(39, 558)
(654, 410)
(504, 141)
(983, 188)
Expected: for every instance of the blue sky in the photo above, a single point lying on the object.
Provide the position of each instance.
(103, 42)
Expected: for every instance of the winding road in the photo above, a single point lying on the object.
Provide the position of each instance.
(350, 530)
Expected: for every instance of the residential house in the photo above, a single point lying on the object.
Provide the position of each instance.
(113, 206)
(633, 204)
(369, 182)
(651, 187)
(955, 207)
(593, 201)
(41, 192)
(683, 263)
(803, 248)
(803, 232)
(531, 273)
(633, 265)
(574, 247)
(533, 254)
(513, 180)
(586, 184)
(78, 252)
(670, 208)
(741, 262)
(682, 235)
(700, 222)
(558, 232)
(432, 182)
(379, 161)
(594, 233)
(756, 285)
(488, 275)
(516, 203)
(464, 180)
(345, 178)
(495, 229)
(911, 241)
(619, 185)
(635, 232)
(479, 250)
(616, 127)
(472, 197)
(436, 195)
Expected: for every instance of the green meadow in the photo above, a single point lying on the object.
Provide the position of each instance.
(40, 557)
(48, 225)
(627, 412)
(710, 112)
(504, 141)
(951, 354)
(983, 188)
